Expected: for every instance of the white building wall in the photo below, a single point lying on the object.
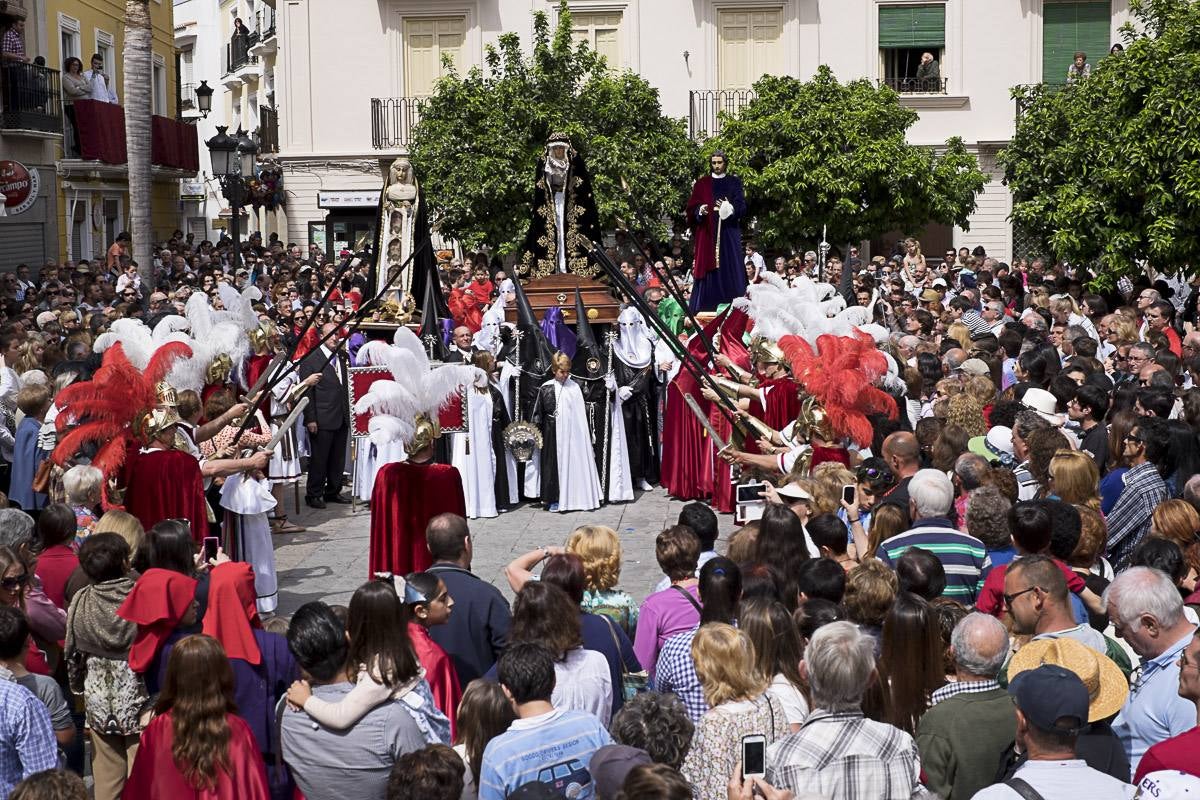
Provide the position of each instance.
(338, 54)
(197, 27)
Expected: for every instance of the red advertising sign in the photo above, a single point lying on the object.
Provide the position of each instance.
(19, 185)
(452, 418)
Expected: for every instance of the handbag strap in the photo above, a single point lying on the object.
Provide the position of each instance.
(1022, 788)
(612, 631)
(689, 597)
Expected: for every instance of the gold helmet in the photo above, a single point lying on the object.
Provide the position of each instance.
(218, 371)
(262, 337)
(764, 351)
(812, 420)
(427, 431)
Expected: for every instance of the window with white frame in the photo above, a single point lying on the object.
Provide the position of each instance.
(107, 51)
(600, 30)
(912, 44)
(158, 86)
(68, 37)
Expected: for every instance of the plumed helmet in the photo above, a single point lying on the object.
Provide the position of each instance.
(427, 430)
(219, 369)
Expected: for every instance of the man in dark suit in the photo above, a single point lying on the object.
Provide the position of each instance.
(461, 348)
(327, 418)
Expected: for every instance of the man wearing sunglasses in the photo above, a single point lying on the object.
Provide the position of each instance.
(1145, 447)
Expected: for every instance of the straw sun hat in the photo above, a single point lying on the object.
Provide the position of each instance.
(1106, 684)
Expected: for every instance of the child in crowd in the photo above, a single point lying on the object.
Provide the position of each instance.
(429, 604)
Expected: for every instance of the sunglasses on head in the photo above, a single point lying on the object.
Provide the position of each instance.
(14, 582)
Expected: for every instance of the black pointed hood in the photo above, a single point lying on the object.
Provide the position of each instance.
(535, 350)
(591, 360)
(430, 332)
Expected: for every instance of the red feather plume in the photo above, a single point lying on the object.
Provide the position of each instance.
(102, 411)
(840, 374)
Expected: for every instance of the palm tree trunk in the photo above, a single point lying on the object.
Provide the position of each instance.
(139, 80)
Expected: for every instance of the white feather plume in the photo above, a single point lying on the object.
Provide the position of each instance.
(169, 325)
(374, 353)
(384, 429)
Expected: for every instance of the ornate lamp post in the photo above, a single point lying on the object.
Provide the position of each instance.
(232, 162)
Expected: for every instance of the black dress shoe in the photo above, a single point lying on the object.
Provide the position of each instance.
(314, 502)
(338, 498)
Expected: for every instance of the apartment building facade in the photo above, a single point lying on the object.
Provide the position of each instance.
(352, 75)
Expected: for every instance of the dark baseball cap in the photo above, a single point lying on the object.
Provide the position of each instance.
(1052, 698)
(611, 764)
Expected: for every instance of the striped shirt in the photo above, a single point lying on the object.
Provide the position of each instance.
(676, 673)
(1129, 520)
(553, 748)
(963, 556)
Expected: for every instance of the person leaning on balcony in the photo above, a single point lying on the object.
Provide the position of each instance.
(76, 86)
(928, 74)
(1079, 68)
(12, 45)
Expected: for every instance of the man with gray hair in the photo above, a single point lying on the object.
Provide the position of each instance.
(930, 498)
(839, 753)
(1146, 610)
(962, 738)
(16, 529)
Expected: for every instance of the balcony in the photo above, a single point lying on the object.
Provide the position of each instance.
(705, 107)
(268, 130)
(30, 99)
(264, 33)
(174, 145)
(393, 120)
(916, 85)
(187, 97)
(237, 53)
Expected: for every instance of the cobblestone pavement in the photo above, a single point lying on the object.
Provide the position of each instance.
(329, 560)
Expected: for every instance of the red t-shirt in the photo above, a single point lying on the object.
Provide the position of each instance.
(1180, 752)
(55, 566)
(991, 599)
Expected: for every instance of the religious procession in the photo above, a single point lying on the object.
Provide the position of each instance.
(564, 449)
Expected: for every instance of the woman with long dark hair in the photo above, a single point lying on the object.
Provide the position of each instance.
(545, 615)
(197, 746)
(777, 653)
(910, 665)
(720, 593)
(781, 543)
(484, 713)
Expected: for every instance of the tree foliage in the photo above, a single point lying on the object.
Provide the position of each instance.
(1107, 170)
(480, 134)
(827, 153)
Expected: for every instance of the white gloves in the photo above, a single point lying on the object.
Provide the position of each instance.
(481, 379)
(610, 382)
(624, 393)
(508, 371)
(726, 209)
(703, 210)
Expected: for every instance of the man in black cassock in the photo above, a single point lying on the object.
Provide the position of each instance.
(564, 218)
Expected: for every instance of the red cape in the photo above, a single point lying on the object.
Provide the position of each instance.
(256, 366)
(156, 777)
(166, 484)
(704, 228)
(439, 671)
(690, 468)
(405, 498)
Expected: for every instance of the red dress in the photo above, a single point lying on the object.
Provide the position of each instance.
(155, 775)
(439, 671)
(166, 484)
(55, 566)
(405, 498)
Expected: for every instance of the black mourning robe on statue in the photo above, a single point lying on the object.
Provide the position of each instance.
(539, 254)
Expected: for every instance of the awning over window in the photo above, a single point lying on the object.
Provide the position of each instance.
(912, 26)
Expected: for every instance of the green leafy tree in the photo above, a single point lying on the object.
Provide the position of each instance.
(1107, 170)
(820, 152)
(480, 134)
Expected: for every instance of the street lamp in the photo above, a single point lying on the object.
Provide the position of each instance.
(204, 94)
(232, 162)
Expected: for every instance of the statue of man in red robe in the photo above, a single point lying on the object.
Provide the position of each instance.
(714, 213)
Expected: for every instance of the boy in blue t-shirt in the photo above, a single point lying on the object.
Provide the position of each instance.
(544, 744)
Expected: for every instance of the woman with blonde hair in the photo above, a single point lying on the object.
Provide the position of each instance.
(966, 412)
(125, 525)
(1178, 521)
(912, 260)
(828, 480)
(739, 705)
(960, 333)
(599, 548)
(1074, 478)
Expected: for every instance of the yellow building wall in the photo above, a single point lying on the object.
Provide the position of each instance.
(109, 16)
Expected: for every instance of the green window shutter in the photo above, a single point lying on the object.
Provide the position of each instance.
(912, 26)
(1069, 27)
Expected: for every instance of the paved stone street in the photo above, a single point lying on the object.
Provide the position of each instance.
(329, 560)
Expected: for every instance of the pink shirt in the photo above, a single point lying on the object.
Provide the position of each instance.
(662, 615)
